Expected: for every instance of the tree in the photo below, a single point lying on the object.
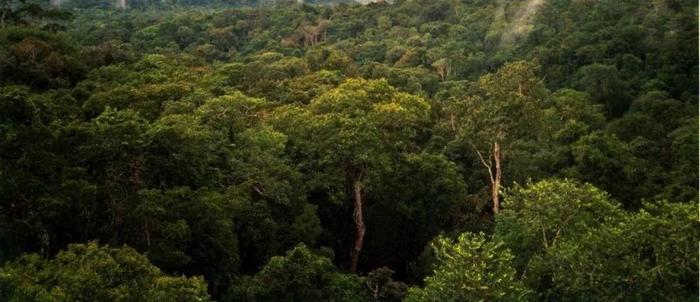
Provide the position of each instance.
(422, 195)
(575, 114)
(313, 34)
(29, 168)
(470, 269)
(684, 176)
(442, 67)
(504, 109)
(267, 195)
(271, 210)
(353, 131)
(382, 286)
(39, 59)
(650, 255)
(299, 275)
(603, 83)
(541, 215)
(189, 231)
(604, 160)
(90, 272)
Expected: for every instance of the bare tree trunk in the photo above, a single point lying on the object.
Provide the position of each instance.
(147, 232)
(496, 184)
(494, 163)
(359, 225)
(55, 3)
(121, 4)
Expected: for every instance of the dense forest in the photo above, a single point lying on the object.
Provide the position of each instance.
(408, 150)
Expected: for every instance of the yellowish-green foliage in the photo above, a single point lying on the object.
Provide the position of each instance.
(646, 256)
(538, 216)
(472, 268)
(356, 127)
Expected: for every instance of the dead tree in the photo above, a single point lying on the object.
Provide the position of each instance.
(493, 165)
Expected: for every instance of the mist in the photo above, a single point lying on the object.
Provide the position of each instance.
(522, 21)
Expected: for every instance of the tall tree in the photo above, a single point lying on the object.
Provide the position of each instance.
(502, 110)
(350, 133)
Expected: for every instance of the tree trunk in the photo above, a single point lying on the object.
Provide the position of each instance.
(494, 161)
(496, 184)
(359, 225)
(121, 4)
(147, 232)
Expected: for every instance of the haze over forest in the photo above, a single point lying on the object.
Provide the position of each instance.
(342, 150)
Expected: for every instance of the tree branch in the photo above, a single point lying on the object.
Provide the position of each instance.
(483, 161)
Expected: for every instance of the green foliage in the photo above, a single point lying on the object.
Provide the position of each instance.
(603, 83)
(471, 269)
(351, 134)
(576, 115)
(510, 108)
(649, 256)
(572, 243)
(505, 106)
(683, 147)
(382, 286)
(540, 215)
(300, 275)
(214, 136)
(422, 196)
(185, 229)
(38, 58)
(355, 129)
(89, 272)
(603, 159)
